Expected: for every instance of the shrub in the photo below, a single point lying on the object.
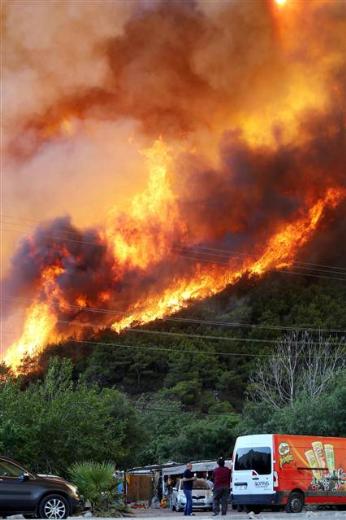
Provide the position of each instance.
(96, 483)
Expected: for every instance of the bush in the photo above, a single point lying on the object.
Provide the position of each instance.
(54, 423)
(96, 483)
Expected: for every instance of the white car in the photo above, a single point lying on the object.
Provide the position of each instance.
(202, 495)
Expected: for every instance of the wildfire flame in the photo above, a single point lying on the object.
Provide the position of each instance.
(135, 245)
(38, 330)
(280, 3)
(251, 156)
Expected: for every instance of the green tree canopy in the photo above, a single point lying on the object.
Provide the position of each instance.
(54, 423)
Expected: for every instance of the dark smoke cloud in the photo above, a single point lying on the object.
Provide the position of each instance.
(58, 244)
(258, 188)
(177, 68)
(174, 68)
(255, 191)
(328, 246)
(89, 270)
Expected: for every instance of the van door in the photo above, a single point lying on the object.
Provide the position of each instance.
(253, 470)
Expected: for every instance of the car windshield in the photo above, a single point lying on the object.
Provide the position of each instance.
(200, 483)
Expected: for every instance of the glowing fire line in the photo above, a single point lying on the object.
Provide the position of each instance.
(279, 252)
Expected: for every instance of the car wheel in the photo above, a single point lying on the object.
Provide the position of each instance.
(295, 502)
(54, 507)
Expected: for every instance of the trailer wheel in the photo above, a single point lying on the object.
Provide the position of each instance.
(295, 502)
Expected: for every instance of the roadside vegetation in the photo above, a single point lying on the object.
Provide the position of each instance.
(97, 484)
(154, 397)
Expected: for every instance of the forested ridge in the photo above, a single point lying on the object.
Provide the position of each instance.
(185, 387)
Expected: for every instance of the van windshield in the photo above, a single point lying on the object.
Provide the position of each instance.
(258, 459)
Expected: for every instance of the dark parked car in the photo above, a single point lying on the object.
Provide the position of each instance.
(33, 495)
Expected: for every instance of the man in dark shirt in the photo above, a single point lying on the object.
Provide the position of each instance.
(222, 483)
(188, 479)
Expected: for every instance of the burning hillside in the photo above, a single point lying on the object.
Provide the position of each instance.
(239, 109)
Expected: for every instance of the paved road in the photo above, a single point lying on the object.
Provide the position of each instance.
(309, 515)
(232, 515)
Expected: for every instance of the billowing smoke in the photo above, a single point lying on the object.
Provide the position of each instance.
(255, 188)
(244, 102)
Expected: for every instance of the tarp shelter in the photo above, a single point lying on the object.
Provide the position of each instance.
(148, 482)
(202, 466)
(144, 483)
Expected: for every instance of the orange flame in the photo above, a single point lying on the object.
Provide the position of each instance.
(280, 3)
(38, 330)
(143, 238)
(279, 252)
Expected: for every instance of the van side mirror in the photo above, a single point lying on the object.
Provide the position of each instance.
(24, 477)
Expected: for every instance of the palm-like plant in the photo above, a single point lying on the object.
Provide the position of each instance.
(96, 483)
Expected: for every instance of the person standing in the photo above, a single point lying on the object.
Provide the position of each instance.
(222, 483)
(188, 479)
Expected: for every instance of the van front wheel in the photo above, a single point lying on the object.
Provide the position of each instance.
(295, 502)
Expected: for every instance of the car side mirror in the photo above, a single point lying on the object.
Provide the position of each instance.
(24, 477)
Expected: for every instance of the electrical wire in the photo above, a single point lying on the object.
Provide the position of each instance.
(330, 275)
(205, 336)
(176, 351)
(198, 250)
(180, 412)
(114, 312)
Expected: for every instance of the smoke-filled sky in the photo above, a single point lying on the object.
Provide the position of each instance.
(246, 95)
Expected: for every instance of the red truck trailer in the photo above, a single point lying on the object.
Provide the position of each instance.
(289, 471)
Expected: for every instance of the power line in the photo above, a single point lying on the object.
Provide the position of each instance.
(111, 312)
(72, 240)
(180, 412)
(199, 251)
(172, 350)
(252, 325)
(336, 275)
(321, 265)
(286, 271)
(228, 253)
(205, 336)
(200, 259)
(175, 351)
(174, 334)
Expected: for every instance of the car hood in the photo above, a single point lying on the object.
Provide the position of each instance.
(200, 492)
(54, 478)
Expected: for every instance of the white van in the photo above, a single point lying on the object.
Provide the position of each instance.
(253, 476)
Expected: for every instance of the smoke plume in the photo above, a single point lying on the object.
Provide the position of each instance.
(222, 126)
